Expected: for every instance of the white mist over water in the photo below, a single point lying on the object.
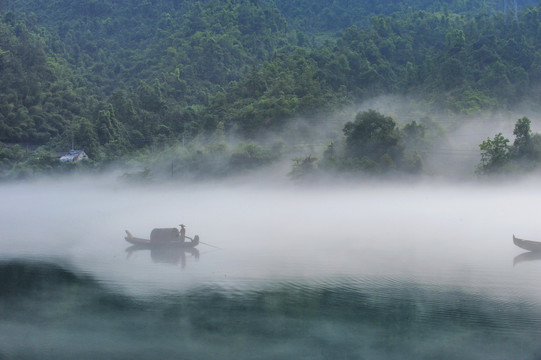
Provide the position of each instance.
(382, 271)
(459, 235)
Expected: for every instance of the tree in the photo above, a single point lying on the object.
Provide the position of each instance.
(495, 155)
(329, 156)
(414, 135)
(523, 145)
(108, 127)
(372, 135)
(303, 167)
(455, 40)
(249, 156)
(86, 138)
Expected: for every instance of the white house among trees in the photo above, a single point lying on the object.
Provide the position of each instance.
(74, 156)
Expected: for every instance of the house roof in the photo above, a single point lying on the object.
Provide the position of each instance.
(73, 155)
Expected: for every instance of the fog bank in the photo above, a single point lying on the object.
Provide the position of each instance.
(419, 231)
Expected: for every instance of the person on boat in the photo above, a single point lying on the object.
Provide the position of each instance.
(182, 232)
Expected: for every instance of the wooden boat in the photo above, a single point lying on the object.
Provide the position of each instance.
(527, 244)
(172, 240)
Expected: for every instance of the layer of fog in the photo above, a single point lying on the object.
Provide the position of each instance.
(450, 149)
(454, 155)
(422, 232)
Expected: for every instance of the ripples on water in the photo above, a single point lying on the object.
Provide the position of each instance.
(52, 311)
(369, 281)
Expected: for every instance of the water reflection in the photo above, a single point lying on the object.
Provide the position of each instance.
(166, 245)
(526, 256)
(166, 253)
(533, 253)
(69, 314)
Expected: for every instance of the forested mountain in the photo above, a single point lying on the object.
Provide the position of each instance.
(115, 44)
(324, 16)
(119, 76)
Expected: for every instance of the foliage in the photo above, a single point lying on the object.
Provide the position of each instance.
(523, 146)
(39, 162)
(127, 77)
(494, 154)
(198, 161)
(372, 135)
(10, 155)
(373, 144)
(250, 156)
(303, 167)
(323, 15)
(524, 155)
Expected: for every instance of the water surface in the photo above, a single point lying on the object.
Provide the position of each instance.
(359, 272)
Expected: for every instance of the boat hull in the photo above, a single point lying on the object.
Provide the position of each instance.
(534, 246)
(149, 244)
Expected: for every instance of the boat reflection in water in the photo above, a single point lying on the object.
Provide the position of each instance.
(166, 245)
(166, 253)
(527, 256)
(533, 253)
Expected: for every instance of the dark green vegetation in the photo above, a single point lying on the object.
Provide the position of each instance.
(169, 84)
(497, 156)
(373, 144)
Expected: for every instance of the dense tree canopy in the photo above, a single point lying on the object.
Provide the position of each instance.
(121, 78)
(372, 135)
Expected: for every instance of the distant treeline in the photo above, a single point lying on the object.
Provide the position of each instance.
(125, 78)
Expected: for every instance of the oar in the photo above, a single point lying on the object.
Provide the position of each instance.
(204, 243)
(209, 245)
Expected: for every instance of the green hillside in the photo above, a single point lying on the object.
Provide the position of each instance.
(120, 78)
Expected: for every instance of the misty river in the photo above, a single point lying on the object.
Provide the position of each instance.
(369, 271)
